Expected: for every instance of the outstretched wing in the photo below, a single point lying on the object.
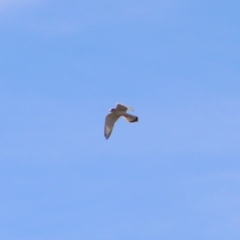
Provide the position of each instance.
(109, 124)
(130, 118)
(122, 107)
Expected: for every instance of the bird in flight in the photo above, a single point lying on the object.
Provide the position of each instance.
(114, 115)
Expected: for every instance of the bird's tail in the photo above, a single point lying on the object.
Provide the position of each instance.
(130, 118)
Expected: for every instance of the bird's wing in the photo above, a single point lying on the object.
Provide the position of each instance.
(122, 107)
(130, 118)
(109, 123)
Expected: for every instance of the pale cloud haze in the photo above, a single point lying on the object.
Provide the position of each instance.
(13, 4)
(54, 17)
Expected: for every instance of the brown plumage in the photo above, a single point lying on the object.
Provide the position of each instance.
(114, 115)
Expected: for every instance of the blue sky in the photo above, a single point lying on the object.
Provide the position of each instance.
(174, 175)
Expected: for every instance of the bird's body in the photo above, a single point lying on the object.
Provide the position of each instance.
(114, 115)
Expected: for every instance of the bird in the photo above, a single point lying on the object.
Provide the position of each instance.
(114, 115)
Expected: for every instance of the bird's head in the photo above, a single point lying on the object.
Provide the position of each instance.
(112, 110)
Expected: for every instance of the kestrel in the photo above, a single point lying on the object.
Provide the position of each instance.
(114, 115)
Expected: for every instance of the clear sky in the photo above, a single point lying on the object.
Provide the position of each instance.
(175, 175)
